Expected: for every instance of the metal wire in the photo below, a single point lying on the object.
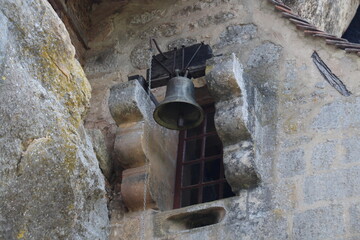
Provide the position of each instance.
(147, 162)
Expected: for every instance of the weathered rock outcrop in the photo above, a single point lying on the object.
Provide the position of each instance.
(332, 16)
(50, 184)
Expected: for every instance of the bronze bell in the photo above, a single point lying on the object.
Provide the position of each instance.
(179, 109)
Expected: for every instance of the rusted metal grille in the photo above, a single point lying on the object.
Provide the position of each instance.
(200, 173)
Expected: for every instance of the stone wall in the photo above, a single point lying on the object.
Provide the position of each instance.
(302, 130)
(287, 125)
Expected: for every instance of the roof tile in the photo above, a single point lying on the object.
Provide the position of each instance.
(310, 29)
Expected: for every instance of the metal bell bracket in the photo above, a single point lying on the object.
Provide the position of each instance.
(177, 62)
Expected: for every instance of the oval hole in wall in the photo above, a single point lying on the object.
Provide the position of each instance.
(195, 219)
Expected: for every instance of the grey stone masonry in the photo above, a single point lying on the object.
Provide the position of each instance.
(319, 223)
(338, 115)
(335, 185)
(237, 34)
(291, 163)
(323, 155)
(354, 212)
(352, 146)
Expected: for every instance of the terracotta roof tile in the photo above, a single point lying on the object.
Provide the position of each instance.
(293, 16)
(306, 27)
(352, 50)
(312, 30)
(281, 8)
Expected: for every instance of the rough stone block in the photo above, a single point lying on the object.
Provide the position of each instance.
(258, 201)
(284, 195)
(237, 208)
(264, 164)
(178, 43)
(291, 163)
(265, 54)
(354, 212)
(352, 146)
(128, 102)
(146, 17)
(140, 57)
(336, 185)
(229, 122)
(162, 30)
(265, 225)
(216, 19)
(320, 223)
(323, 155)
(288, 143)
(201, 5)
(223, 77)
(239, 166)
(330, 117)
(338, 115)
(237, 34)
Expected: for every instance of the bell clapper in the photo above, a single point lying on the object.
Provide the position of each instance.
(180, 121)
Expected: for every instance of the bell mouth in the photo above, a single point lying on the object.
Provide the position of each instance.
(178, 115)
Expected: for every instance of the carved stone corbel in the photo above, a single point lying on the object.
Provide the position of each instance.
(224, 77)
(142, 148)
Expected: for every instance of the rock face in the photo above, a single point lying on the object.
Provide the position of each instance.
(50, 184)
(333, 16)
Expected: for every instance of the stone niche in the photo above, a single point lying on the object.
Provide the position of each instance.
(146, 151)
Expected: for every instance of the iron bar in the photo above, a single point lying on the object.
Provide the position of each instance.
(158, 48)
(174, 64)
(183, 58)
(192, 58)
(205, 159)
(201, 135)
(203, 184)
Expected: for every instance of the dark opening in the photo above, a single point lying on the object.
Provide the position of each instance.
(353, 32)
(195, 219)
(200, 174)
